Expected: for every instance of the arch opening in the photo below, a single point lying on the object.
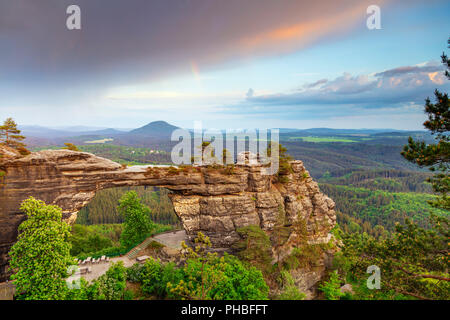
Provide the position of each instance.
(99, 224)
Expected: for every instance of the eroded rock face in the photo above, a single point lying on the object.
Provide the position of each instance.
(209, 200)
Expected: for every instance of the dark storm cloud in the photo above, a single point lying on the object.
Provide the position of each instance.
(141, 39)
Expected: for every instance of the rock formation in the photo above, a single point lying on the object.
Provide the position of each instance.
(215, 201)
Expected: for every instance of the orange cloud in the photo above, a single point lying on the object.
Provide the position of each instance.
(300, 34)
(436, 77)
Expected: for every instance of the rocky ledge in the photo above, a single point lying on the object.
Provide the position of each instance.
(215, 201)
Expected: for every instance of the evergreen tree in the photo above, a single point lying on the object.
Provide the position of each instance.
(435, 156)
(284, 162)
(71, 146)
(11, 136)
(413, 261)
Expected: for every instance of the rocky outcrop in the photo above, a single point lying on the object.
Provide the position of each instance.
(212, 200)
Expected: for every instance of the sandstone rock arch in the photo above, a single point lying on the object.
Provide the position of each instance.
(210, 200)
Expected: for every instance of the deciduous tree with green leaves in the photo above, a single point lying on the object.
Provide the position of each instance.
(137, 224)
(111, 285)
(41, 255)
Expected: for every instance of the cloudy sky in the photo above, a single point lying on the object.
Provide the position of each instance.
(227, 63)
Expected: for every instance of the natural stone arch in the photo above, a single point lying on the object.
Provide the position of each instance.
(211, 200)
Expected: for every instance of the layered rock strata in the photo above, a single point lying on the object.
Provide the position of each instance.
(214, 201)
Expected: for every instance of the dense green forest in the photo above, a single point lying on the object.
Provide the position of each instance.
(387, 180)
(103, 208)
(333, 157)
(90, 239)
(379, 207)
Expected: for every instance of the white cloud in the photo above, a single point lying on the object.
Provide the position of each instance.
(391, 87)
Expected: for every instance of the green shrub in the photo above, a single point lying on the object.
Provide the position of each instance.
(135, 273)
(156, 276)
(152, 274)
(111, 285)
(170, 274)
(302, 257)
(229, 169)
(173, 171)
(155, 245)
(128, 295)
(239, 282)
(289, 290)
(224, 278)
(283, 179)
(41, 255)
(254, 248)
(203, 276)
(332, 287)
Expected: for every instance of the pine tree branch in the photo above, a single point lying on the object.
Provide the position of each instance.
(419, 275)
(406, 292)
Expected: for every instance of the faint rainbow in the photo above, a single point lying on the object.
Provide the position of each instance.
(195, 70)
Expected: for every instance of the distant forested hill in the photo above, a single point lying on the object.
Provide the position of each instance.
(372, 208)
(320, 158)
(382, 179)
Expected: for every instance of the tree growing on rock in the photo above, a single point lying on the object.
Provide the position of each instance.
(70, 146)
(41, 255)
(137, 224)
(284, 162)
(11, 136)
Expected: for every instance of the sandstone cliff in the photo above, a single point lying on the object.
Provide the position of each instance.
(214, 201)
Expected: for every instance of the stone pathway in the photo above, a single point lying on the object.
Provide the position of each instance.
(170, 239)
